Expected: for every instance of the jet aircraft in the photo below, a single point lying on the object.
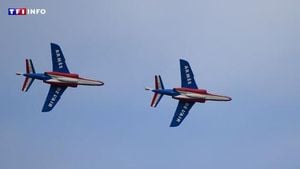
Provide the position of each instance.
(188, 94)
(59, 78)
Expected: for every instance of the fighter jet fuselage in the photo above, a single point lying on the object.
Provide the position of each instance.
(193, 95)
(187, 94)
(59, 79)
(63, 79)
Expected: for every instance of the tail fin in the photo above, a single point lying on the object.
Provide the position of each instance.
(158, 83)
(28, 81)
(157, 96)
(29, 66)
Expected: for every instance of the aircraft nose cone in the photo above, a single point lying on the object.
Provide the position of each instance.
(229, 99)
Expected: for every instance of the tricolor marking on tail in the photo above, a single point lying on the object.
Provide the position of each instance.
(157, 96)
(158, 82)
(29, 66)
(28, 81)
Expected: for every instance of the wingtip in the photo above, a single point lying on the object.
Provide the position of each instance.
(173, 125)
(183, 60)
(153, 106)
(53, 44)
(45, 111)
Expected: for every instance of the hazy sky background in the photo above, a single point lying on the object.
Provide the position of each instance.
(248, 50)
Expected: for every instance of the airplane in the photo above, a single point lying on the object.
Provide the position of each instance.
(188, 94)
(59, 78)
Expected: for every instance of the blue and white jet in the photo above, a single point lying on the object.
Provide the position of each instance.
(187, 95)
(60, 78)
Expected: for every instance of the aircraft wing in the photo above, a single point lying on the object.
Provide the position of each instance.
(58, 59)
(181, 112)
(187, 76)
(53, 97)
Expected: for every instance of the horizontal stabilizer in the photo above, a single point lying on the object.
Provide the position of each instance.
(158, 82)
(158, 86)
(27, 83)
(29, 66)
(155, 100)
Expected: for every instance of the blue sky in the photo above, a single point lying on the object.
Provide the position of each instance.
(248, 50)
